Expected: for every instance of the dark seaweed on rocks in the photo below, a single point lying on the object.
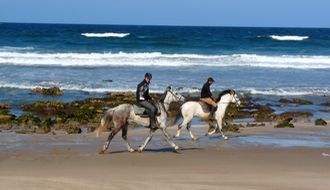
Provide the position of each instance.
(321, 122)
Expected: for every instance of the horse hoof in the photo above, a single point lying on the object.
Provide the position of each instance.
(140, 151)
(131, 150)
(210, 133)
(195, 139)
(101, 152)
(226, 138)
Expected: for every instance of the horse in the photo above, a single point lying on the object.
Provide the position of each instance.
(124, 114)
(197, 109)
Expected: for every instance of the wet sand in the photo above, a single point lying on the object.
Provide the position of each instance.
(244, 162)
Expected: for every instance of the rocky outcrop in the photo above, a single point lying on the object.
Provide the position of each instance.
(296, 116)
(4, 106)
(321, 122)
(295, 101)
(285, 124)
(52, 91)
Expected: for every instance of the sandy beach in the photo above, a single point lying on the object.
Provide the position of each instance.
(71, 161)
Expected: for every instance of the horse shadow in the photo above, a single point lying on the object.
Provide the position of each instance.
(161, 150)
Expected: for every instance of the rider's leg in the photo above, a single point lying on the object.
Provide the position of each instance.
(151, 110)
(212, 103)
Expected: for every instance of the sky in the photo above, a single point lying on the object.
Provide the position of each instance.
(255, 13)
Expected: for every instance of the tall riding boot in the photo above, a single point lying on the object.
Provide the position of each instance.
(213, 110)
(153, 123)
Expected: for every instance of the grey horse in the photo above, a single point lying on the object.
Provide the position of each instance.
(124, 114)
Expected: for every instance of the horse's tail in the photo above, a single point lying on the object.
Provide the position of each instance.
(105, 122)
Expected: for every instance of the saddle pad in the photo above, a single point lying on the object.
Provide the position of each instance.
(138, 110)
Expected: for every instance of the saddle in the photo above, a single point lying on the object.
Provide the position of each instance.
(142, 112)
(206, 107)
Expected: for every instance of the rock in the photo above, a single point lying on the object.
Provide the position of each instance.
(4, 106)
(284, 100)
(326, 104)
(321, 122)
(52, 91)
(285, 124)
(71, 129)
(326, 111)
(295, 101)
(294, 115)
(123, 94)
(231, 127)
(6, 118)
(226, 127)
(43, 130)
(255, 124)
(28, 119)
(108, 80)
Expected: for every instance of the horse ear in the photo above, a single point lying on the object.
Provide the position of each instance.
(169, 88)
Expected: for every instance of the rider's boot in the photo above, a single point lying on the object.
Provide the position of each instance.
(213, 110)
(153, 123)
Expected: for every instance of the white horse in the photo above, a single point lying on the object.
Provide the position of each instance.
(124, 114)
(196, 109)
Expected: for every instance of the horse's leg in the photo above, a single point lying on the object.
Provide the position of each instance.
(151, 132)
(124, 136)
(185, 122)
(219, 124)
(193, 138)
(113, 132)
(169, 140)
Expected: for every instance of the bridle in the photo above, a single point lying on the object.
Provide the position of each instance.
(236, 101)
(176, 96)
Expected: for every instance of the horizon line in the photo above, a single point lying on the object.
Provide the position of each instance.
(163, 25)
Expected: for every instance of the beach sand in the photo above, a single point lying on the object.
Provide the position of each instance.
(71, 162)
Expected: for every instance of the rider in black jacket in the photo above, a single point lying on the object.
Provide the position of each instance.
(206, 97)
(143, 99)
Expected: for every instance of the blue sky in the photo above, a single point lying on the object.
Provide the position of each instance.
(275, 13)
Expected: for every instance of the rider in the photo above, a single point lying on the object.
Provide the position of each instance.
(143, 99)
(206, 96)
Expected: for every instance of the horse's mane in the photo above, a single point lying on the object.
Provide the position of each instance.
(228, 91)
(162, 97)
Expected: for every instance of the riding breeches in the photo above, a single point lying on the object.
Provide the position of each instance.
(209, 101)
(151, 109)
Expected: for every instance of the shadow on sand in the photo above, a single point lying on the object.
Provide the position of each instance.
(164, 150)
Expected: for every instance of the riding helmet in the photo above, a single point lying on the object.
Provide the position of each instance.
(148, 75)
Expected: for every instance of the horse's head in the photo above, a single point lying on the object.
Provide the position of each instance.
(230, 96)
(171, 95)
(235, 99)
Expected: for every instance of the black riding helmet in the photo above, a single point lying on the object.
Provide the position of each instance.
(210, 79)
(148, 75)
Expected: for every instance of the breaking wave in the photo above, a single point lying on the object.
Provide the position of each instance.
(163, 60)
(106, 35)
(289, 38)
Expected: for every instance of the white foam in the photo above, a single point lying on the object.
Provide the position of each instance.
(106, 35)
(294, 91)
(289, 38)
(163, 60)
(288, 91)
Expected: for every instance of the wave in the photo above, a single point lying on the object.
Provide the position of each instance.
(316, 91)
(12, 48)
(106, 35)
(287, 91)
(163, 60)
(289, 38)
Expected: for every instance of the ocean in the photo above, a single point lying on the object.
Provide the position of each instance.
(80, 58)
